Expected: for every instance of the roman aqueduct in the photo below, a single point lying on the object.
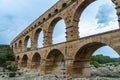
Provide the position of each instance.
(73, 56)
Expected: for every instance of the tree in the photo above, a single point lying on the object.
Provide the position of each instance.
(95, 63)
(6, 54)
(104, 59)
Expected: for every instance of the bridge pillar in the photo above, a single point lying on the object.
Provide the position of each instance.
(14, 50)
(81, 68)
(42, 67)
(17, 50)
(34, 67)
(29, 65)
(117, 3)
(86, 69)
(24, 49)
(47, 39)
(117, 49)
(69, 68)
(19, 64)
(34, 45)
(22, 65)
(72, 31)
(20, 48)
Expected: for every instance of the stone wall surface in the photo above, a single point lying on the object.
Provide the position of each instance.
(74, 54)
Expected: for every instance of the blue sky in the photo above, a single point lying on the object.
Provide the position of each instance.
(16, 15)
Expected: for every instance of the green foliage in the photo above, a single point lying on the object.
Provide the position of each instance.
(12, 68)
(111, 76)
(12, 74)
(104, 59)
(6, 54)
(95, 63)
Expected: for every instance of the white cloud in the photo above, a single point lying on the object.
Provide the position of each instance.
(16, 15)
(96, 16)
(91, 29)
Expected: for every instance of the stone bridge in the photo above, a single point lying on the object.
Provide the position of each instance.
(71, 58)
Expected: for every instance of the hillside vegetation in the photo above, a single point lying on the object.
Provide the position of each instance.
(6, 54)
(100, 59)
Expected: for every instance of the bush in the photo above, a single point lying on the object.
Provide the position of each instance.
(6, 54)
(13, 74)
(96, 64)
(12, 68)
(111, 76)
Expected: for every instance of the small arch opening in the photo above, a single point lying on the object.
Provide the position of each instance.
(56, 10)
(27, 43)
(36, 61)
(64, 5)
(43, 19)
(12, 46)
(18, 58)
(49, 15)
(39, 23)
(24, 61)
(15, 45)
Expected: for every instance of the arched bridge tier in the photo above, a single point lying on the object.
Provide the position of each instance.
(72, 56)
(76, 54)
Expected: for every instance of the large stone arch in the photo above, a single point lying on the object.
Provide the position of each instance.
(51, 28)
(87, 50)
(81, 63)
(81, 8)
(54, 62)
(36, 58)
(26, 42)
(24, 61)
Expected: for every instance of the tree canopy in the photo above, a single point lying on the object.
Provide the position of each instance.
(6, 54)
(101, 59)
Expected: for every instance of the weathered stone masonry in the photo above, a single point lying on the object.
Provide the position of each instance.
(74, 54)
